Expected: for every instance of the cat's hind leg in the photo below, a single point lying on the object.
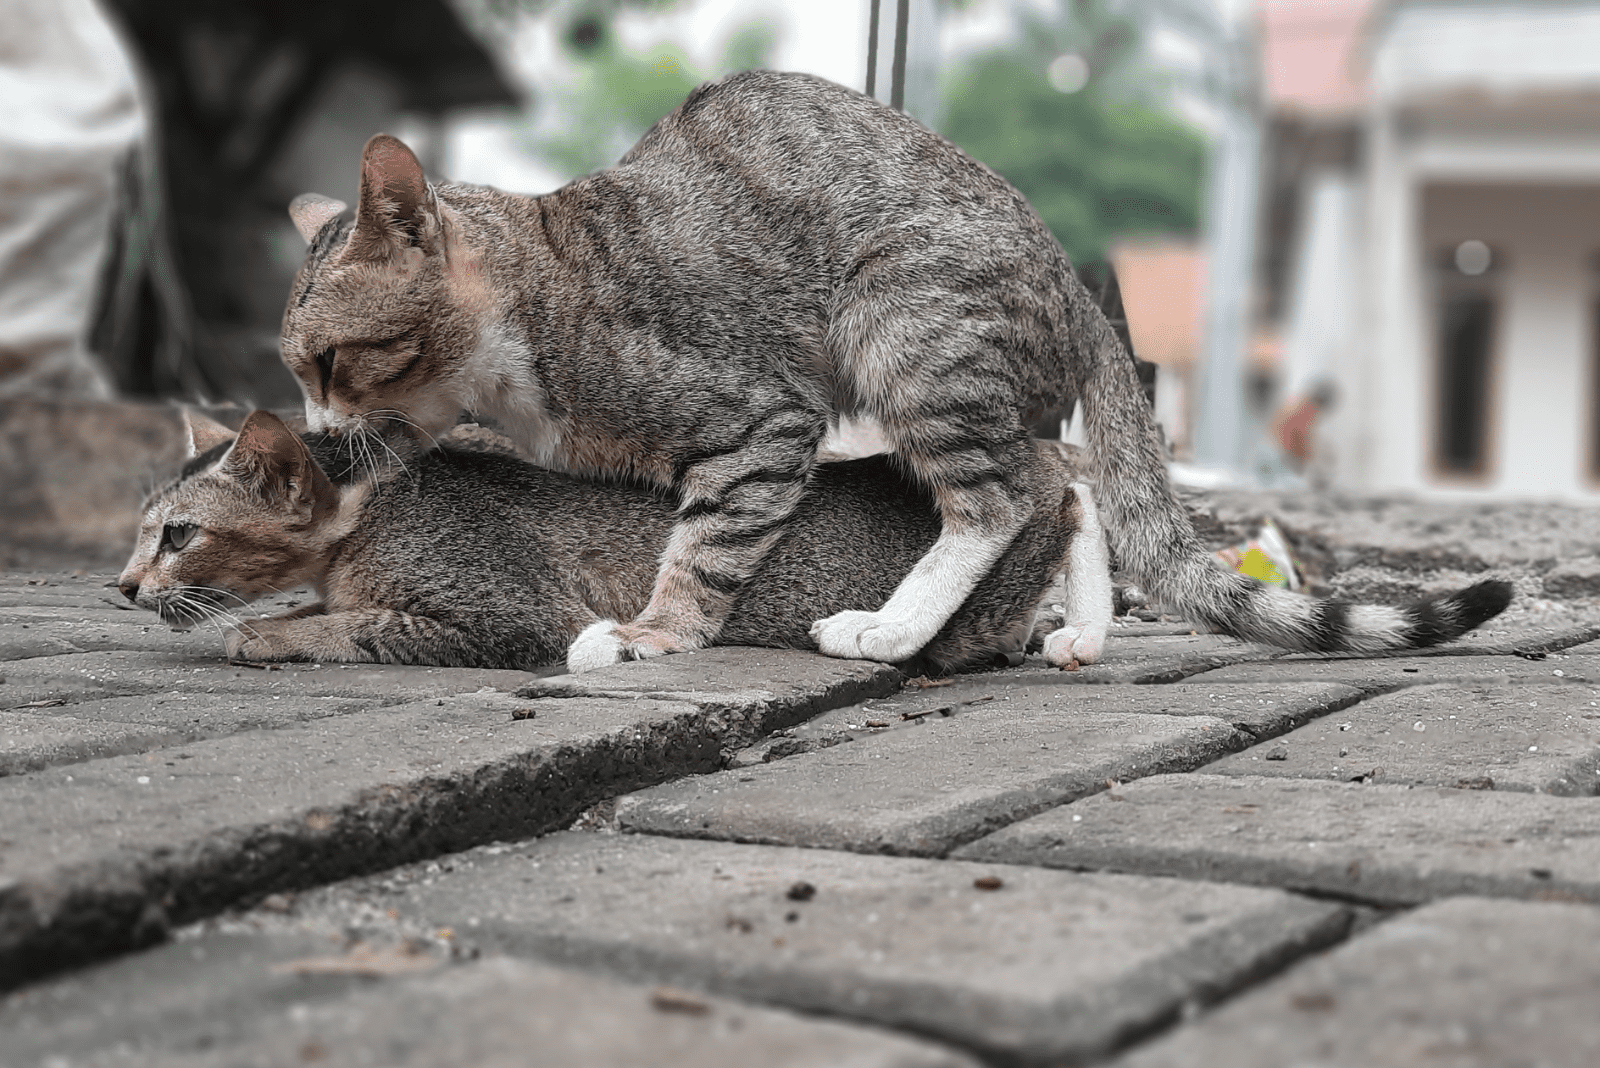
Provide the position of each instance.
(984, 491)
(936, 346)
(1087, 607)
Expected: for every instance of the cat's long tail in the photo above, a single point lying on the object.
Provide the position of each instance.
(1153, 538)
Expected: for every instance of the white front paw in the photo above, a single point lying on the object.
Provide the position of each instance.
(597, 646)
(1076, 643)
(836, 635)
(866, 636)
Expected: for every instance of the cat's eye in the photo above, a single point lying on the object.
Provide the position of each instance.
(325, 365)
(177, 535)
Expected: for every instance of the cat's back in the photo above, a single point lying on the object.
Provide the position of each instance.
(815, 150)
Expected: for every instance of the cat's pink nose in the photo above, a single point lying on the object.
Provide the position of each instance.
(129, 588)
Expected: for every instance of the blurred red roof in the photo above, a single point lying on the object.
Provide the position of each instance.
(1311, 53)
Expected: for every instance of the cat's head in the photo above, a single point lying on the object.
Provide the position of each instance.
(387, 307)
(241, 520)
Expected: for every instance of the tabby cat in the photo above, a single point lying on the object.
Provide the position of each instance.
(775, 254)
(471, 558)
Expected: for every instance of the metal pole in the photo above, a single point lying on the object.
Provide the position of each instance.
(897, 87)
(872, 49)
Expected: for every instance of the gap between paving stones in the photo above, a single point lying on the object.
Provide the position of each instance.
(104, 856)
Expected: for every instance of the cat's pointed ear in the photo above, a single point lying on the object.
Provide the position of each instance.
(311, 211)
(204, 432)
(271, 458)
(396, 208)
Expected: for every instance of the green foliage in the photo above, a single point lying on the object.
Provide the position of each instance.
(1094, 164)
(616, 94)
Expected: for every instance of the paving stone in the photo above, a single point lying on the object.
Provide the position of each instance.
(54, 631)
(1464, 983)
(731, 677)
(1153, 658)
(90, 676)
(924, 791)
(102, 856)
(236, 1000)
(1383, 844)
(1049, 967)
(1263, 710)
(1574, 578)
(1520, 639)
(30, 741)
(206, 715)
(1530, 738)
(1383, 674)
(76, 595)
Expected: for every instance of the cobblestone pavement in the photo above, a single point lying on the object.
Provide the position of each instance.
(1199, 853)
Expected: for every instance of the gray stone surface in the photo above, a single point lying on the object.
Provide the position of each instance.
(1152, 658)
(1574, 578)
(1051, 966)
(1390, 673)
(203, 715)
(1465, 983)
(89, 676)
(1530, 737)
(30, 741)
(236, 1000)
(1264, 710)
(101, 856)
(732, 677)
(54, 631)
(1383, 844)
(367, 769)
(923, 791)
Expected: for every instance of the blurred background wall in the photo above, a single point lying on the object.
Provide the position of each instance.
(1357, 238)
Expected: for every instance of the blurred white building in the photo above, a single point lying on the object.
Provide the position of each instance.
(1431, 238)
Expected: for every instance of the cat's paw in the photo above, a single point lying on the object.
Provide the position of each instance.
(609, 642)
(1075, 644)
(866, 636)
(257, 641)
(596, 646)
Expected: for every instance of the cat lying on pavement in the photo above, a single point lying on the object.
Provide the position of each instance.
(475, 559)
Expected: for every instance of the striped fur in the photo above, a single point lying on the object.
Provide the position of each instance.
(776, 254)
(1153, 539)
(472, 559)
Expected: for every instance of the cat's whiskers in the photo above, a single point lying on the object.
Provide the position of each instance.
(396, 456)
(398, 416)
(369, 457)
(243, 604)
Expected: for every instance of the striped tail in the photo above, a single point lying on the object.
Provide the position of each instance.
(1153, 539)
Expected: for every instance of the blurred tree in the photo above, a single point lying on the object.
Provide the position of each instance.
(1071, 116)
(618, 94)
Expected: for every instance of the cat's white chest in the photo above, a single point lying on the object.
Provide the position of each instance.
(500, 383)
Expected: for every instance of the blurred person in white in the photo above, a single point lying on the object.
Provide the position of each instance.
(69, 113)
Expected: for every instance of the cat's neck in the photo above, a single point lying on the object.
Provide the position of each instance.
(501, 267)
(325, 540)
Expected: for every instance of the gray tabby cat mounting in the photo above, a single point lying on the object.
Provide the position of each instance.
(776, 253)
